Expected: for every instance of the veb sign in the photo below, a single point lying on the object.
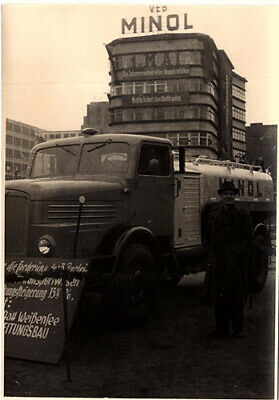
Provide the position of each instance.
(170, 22)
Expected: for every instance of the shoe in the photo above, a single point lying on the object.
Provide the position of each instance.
(238, 334)
(218, 334)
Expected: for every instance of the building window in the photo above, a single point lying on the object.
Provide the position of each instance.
(238, 113)
(9, 125)
(239, 134)
(25, 143)
(163, 113)
(25, 130)
(129, 88)
(203, 139)
(17, 128)
(9, 139)
(17, 154)
(173, 137)
(150, 87)
(17, 141)
(25, 155)
(139, 87)
(238, 154)
(238, 92)
(9, 153)
(118, 115)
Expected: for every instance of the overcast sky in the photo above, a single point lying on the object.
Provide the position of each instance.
(54, 61)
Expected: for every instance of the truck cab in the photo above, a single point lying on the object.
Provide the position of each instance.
(125, 181)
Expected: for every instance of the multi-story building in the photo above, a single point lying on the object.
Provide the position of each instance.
(98, 117)
(50, 135)
(238, 117)
(261, 143)
(179, 86)
(20, 138)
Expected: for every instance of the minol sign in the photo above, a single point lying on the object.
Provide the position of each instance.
(170, 22)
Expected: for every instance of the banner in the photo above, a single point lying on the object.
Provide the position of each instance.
(34, 315)
(156, 99)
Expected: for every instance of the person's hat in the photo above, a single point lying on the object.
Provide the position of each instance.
(228, 186)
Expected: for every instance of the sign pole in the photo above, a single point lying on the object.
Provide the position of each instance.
(66, 328)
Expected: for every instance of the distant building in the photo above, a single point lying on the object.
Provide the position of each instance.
(98, 117)
(179, 86)
(238, 117)
(50, 135)
(20, 138)
(261, 146)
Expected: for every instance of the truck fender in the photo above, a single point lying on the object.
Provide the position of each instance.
(261, 253)
(138, 234)
(262, 229)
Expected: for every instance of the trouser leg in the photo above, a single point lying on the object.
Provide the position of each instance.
(237, 317)
(222, 318)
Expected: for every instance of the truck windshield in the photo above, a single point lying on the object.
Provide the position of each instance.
(55, 161)
(105, 158)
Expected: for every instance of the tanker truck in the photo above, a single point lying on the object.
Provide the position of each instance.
(134, 207)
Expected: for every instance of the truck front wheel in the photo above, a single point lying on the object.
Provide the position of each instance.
(261, 262)
(131, 298)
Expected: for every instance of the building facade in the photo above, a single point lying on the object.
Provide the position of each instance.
(175, 85)
(20, 138)
(50, 135)
(238, 117)
(98, 117)
(261, 143)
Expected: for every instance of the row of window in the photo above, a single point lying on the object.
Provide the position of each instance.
(238, 113)
(238, 154)
(15, 168)
(13, 140)
(238, 92)
(239, 134)
(163, 113)
(171, 86)
(193, 139)
(11, 126)
(158, 59)
(59, 135)
(20, 155)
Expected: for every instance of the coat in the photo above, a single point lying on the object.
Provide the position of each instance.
(228, 245)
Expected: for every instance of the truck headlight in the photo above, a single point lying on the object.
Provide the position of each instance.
(46, 245)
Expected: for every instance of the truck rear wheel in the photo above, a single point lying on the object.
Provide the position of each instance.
(261, 262)
(130, 301)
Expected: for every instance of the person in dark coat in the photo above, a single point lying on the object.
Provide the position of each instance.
(229, 254)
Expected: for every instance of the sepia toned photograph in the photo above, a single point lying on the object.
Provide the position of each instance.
(139, 160)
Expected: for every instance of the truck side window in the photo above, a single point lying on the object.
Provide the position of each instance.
(154, 160)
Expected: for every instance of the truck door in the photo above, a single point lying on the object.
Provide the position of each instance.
(187, 230)
(154, 199)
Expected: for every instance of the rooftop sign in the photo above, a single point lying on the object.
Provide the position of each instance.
(152, 24)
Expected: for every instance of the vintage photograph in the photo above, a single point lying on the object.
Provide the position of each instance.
(139, 147)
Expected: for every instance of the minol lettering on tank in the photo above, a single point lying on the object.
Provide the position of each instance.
(252, 189)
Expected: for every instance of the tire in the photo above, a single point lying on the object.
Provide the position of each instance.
(261, 262)
(130, 303)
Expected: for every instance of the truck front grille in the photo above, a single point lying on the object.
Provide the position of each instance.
(90, 212)
(16, 223)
